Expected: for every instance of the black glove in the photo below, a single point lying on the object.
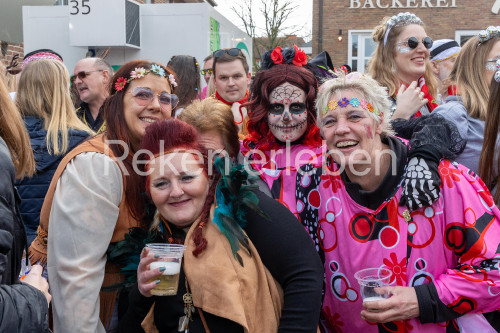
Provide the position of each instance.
(421, 183)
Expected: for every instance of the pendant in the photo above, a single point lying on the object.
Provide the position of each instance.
(407, 216)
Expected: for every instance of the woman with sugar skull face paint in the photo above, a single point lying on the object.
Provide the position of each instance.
(284, 145)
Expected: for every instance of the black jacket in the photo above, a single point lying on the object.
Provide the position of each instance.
(23, 308)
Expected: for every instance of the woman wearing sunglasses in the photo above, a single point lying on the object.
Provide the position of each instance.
(401, 64)
(96, 196)
(472, 73)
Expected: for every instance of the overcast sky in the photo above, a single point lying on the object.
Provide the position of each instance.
(302, 16)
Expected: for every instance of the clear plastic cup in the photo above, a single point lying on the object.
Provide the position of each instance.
(170, 257)
(371, 278)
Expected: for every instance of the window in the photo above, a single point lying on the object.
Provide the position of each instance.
(361, 47)
(461, 36)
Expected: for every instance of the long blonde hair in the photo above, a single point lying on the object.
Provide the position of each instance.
(44, 92)
(468, 74)
(382, 64)
(13, 132)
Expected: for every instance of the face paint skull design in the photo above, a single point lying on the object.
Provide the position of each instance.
(287, 116)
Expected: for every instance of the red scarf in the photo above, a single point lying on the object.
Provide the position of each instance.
(431, 104)
(243, 100)
(452, 90)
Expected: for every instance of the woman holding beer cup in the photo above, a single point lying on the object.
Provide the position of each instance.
(444, 258)
(247, 267)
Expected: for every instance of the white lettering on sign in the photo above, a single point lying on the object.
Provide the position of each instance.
(355, 4)
(496, 7)
(370, 3)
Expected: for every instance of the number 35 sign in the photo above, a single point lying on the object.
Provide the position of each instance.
(97, 22)
(79, 7)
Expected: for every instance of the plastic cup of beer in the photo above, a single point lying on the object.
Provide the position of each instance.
(170, 257)
(371, 278)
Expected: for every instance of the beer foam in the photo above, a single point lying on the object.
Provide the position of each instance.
(171, 268)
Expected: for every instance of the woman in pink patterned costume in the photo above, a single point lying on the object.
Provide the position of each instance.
(444, 257)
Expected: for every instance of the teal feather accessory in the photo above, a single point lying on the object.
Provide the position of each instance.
(233, 195)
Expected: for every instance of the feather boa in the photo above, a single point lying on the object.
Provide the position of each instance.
(233, 195)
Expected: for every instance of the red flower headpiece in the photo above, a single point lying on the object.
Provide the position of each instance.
(278, 55)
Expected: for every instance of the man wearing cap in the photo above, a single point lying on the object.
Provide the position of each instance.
(232, 79)
(91, 78)
(444, 52)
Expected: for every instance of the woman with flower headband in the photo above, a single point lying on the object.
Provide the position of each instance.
(244, 272)
(442, 259)
(95, 197)
(401, 64)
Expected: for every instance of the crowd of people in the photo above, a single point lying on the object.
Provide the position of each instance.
(281, 187)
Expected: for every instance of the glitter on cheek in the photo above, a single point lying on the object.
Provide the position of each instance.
(369, 133)
(403, 49)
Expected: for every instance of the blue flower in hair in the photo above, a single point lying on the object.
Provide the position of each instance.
(156, 69)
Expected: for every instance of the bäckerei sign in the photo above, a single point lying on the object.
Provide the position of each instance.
(403, 4)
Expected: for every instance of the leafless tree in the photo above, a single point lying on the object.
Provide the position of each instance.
(276, 14)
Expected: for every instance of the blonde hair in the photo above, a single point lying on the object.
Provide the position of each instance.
(381, 66)
(468, 74)
(44, 92)
(14, 133)
(213, 115)
(211, 86)
(370, 89)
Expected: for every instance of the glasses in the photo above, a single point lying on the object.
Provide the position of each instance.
(232, 52)
(491, 64)
(207, 71)
(412, 42)
(144, 96)
(83, 74)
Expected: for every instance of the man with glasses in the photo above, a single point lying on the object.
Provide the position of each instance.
(91, 78)
(207, 73)
(231, 80)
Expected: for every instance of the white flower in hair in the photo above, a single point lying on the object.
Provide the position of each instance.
(171, 78)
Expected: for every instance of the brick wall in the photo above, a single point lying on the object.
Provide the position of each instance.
(13, 49)
(439, 22)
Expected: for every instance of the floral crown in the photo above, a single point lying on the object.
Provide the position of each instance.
(140, 72)
(400, 20)
(490, 32)
(344, 102)
(288, 55)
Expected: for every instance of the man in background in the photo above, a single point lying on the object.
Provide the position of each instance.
(91, 78)
(444, 53)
